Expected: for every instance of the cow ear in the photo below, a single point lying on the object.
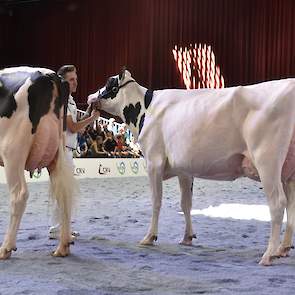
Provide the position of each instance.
(122, 73)
(127, 74)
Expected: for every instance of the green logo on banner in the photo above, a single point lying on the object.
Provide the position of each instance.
(121, 168)
(134, 167)
(37, 174)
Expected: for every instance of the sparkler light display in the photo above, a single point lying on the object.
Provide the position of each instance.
(197, 66)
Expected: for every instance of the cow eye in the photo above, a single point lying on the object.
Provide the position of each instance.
(115, 89)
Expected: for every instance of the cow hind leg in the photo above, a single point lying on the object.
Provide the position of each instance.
(277, 201)
(63, 187)
(267, 148)
(186, 188)
(18, 198)
(287, 244)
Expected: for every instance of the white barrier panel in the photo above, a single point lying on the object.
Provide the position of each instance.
(95, 168)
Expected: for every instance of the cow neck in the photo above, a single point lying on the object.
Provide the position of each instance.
(133, 113)
(147, 101)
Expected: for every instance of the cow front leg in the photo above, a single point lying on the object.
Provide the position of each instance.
(18, 198)
(186, 189)
(155, 178)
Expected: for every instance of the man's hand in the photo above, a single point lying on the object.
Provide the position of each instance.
(96, 105)
(95, 114)
(89, 112)
(95, 110)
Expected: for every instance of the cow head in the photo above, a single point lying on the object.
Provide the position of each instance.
(111, 96)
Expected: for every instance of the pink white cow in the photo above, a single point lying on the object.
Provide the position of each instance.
(32, 104)
(220, 134)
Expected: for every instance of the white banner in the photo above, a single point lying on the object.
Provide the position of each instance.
(94, 168)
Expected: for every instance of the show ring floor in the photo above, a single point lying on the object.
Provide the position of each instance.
(113, 215)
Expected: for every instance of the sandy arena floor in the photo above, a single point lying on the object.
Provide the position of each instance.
(113, 215)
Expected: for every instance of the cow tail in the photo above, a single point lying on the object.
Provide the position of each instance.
(290, 194)
(63, 188)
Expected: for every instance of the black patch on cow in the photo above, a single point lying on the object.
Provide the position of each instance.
(141, 122)
(13, 81)
(10, 84)
(111, 89)
(39, 99)
(35, 75)
(63, 95)
(148, 98)
(7, 102)
(131, 113)
(147, 101)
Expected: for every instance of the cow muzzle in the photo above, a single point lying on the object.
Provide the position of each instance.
(93, 98)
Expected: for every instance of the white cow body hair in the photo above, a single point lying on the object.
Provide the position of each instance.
(217, 134)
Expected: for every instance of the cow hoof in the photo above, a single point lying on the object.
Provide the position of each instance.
(267, 260)
(148, 240)
(4, 256)
(5, 253)
(284, 251)
(61, 251)
(188, 240)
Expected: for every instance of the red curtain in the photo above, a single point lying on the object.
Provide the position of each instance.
(252, 40)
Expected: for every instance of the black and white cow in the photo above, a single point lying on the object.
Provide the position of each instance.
(218, 134)
(32, 109)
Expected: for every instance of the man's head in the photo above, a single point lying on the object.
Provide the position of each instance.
(99, 139)
(69, 73)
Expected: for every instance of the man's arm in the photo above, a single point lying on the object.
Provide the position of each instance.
(75, 127)
(87, 113)
(94, 106)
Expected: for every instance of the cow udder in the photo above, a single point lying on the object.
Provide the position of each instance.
(45, 144)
